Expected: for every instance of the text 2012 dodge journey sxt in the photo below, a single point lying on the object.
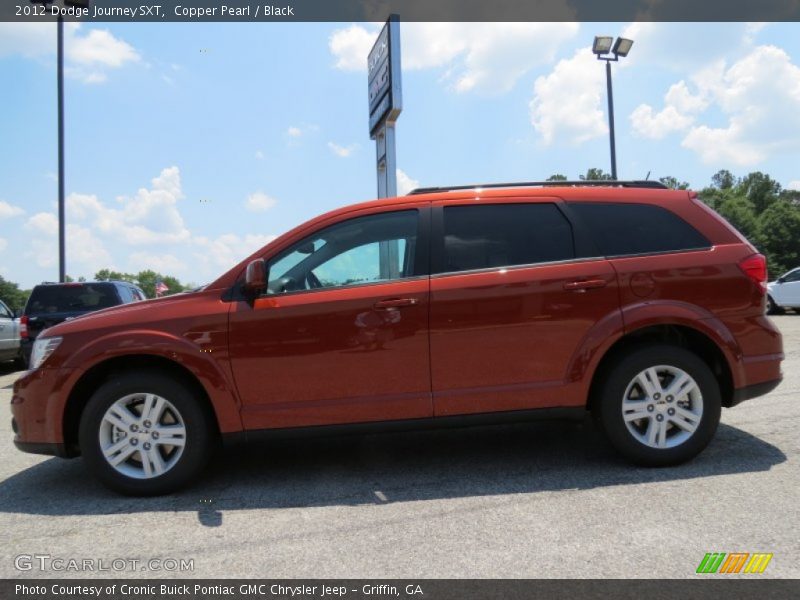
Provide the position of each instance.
(636, 303)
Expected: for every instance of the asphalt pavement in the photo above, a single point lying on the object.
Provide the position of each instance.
(548, 499)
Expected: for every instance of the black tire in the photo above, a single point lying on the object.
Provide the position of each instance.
(621, 374)
(200, 436)
(772, 308)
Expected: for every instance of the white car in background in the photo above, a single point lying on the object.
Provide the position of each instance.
(9, 335)
(784, 292)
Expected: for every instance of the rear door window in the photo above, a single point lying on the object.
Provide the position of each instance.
(621, 229)
(490, 236)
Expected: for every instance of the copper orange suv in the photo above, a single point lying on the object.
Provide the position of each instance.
(637, 303)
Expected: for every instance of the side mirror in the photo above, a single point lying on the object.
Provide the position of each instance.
(780, 279)
(255, 278)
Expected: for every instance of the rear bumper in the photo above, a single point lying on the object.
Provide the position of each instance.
(25, 347)
(753, 391)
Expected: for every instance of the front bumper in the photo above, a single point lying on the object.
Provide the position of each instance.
(59, 450)
(37, 408)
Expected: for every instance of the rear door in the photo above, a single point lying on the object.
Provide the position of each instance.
(511, 303)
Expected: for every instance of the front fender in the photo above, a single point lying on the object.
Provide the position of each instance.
(202, 362)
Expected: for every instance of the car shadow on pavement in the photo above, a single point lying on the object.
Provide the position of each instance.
(525, 458)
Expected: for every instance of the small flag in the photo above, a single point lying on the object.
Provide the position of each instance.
(161, 288)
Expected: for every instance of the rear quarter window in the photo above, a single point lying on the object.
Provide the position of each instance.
(621, 229)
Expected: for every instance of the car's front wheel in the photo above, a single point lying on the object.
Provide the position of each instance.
(772, 308)
(145, 434)
(659, 405)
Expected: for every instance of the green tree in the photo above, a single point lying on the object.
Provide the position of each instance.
(14, 297)
(673, 184)
(740, 213)
(779, 236)
(594, 174)
(760, 189)
(144, 279)
(109, 275)
(147, 281)
(723, 180)
(557, 177)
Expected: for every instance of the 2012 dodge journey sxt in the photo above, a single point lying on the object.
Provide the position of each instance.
(636, 303)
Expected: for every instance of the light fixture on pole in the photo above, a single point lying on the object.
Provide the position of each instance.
(62, 268)
(603, 46)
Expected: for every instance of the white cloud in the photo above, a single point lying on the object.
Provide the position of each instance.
(161, 263)
(3, 244)
(146, 231)
(485, 57)
(225, 251)
(566, 104)
(680, 108)
(794, 185)
(8, 210)
(43, 223)
(405, 183)
(149, 217)
(89, 54)
(259, 202)
(350, 46)
(682, 47)
(760, 95)
(294, 132)
(342, 151)
(259, 155)
(83, 248)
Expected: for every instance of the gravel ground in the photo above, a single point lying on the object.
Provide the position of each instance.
(528, 500)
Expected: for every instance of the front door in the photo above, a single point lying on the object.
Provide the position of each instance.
(511, 306)
(341, 334)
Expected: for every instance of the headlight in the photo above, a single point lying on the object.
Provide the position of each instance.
(42, 348)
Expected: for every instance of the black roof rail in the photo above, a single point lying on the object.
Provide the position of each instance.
(556, 183)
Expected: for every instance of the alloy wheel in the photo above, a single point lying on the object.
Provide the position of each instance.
(142, 435)
(662, 406)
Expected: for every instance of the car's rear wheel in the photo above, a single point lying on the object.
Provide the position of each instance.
(659, 405)
(145, 434)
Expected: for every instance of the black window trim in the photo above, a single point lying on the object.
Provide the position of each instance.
(437, 236)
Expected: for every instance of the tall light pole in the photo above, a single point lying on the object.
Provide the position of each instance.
(62, 264)
(603, 45)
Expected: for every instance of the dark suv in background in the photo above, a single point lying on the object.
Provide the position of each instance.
(52, 303)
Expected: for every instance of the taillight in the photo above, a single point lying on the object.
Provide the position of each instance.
(755, 267)
(23, 327)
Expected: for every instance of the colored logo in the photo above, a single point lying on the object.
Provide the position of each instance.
(735, 562)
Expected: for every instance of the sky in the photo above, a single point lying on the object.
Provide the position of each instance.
(189, 146)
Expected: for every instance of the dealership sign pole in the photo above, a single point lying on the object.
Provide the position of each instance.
(385, 104)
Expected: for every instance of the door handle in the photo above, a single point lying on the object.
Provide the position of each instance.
(588, 284)
(395, 303)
